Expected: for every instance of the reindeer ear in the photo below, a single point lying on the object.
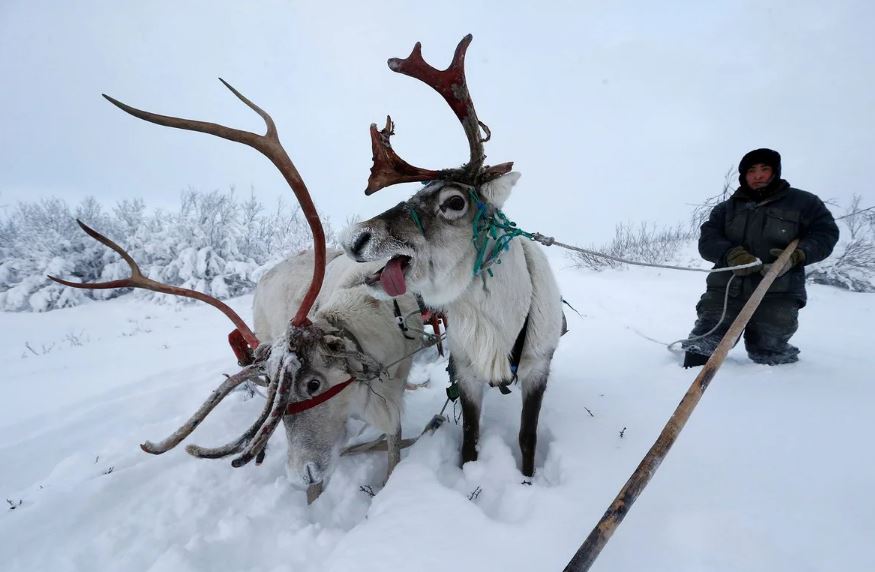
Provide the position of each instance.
(335, 344)
(498, 190)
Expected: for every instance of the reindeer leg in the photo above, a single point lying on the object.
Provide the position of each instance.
(471, 395)
(532, 397)
(393, 445)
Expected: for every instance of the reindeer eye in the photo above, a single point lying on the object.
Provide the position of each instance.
(453, 203)
(335, 345)
(313, 386)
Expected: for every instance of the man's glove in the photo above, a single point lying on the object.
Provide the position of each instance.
(738, 256)
(796, 259)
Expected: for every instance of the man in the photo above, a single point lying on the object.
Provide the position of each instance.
(754, 225)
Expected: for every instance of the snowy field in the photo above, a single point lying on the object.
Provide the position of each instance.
(772, 473)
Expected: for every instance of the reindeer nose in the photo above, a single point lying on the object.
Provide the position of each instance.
(358, 244)
(313, 474)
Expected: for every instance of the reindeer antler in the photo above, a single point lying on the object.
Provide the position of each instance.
(268, 145)
(137, 280)
(390, 169)
(251, 443)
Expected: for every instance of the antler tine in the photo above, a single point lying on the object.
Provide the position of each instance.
(237, 445)
(268, 120)
(137, 280)
(453, 87)
(389, 168)
(255, 446)
(135, 269)
(268, 145)
(212, 401)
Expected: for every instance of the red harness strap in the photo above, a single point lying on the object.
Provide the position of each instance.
(434, 319)
(299, 406)
(241, 348)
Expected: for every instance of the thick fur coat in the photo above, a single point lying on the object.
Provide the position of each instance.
(431, 235)
(347, 312)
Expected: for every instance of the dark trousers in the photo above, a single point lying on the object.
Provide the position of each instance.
(770, 328)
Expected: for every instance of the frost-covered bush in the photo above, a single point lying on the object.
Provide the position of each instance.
(852, 264)
(214, 243)
(644, 243)
(43, 238)
(650, 243)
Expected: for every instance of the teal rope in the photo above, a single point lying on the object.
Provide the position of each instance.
(495, 226)
(415, 216)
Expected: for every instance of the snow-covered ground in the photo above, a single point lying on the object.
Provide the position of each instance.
(772, 473)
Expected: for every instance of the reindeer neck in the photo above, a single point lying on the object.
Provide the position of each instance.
(486, 318)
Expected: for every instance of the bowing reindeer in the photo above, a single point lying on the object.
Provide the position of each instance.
(324, 347)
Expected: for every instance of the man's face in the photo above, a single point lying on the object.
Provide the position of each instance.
(758, 176)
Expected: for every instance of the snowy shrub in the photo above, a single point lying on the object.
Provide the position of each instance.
(701, 211)
(43, 238)
(852, 264)
(214, 244)
(644, 243)
(651, 244)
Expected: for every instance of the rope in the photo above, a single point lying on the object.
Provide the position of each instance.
(670, 346)
(431, 343)
(502, 230)
(550, 241)
(415, 216)
(491, 225)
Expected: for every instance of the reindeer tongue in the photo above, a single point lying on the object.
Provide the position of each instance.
(392, 277)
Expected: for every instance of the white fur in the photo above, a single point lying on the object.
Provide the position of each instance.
(315, 436)
(498, 191)
(485, 314)
(487, 317)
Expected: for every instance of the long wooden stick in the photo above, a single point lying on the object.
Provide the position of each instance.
(592, 546)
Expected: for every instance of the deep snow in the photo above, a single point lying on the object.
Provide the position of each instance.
(773, 472)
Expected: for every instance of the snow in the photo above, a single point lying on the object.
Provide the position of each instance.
(770, 474)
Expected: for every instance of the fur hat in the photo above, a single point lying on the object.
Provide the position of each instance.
(764, 156)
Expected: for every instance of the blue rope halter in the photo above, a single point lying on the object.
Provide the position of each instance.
(491, 223)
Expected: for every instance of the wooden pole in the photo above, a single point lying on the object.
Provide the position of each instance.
(592, 546)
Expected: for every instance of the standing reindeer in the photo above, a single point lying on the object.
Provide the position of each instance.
(341, 354)
(444, 244)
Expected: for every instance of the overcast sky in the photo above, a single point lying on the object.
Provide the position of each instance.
(612, 111)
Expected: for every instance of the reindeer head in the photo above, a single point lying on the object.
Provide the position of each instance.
(431, 239)
(320, 360)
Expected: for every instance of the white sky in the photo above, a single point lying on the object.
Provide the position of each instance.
(613, 111)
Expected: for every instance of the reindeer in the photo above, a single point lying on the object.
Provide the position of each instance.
(341, 354)
(445, 243)
(361, 332)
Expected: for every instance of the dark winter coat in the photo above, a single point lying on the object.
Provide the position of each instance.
(760, 224)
